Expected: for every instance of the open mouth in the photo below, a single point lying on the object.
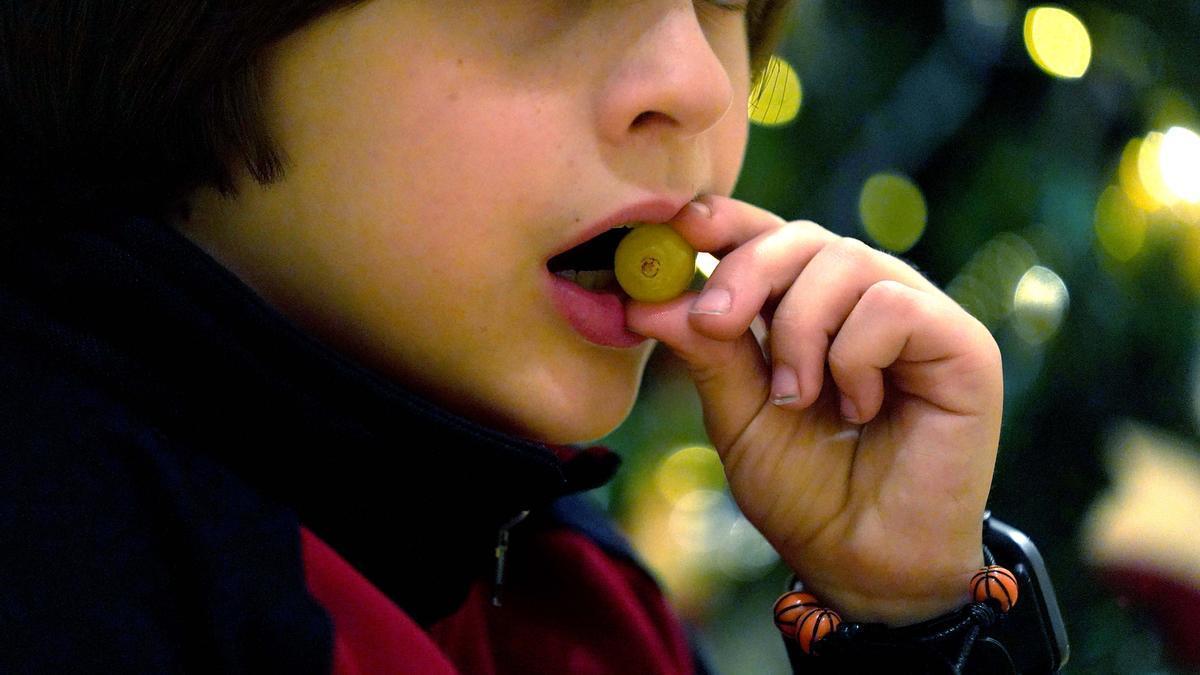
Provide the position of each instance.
(590, 265)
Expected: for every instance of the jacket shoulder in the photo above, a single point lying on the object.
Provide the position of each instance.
(126, 553)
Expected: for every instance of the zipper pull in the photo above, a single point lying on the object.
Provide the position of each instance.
(501, 551)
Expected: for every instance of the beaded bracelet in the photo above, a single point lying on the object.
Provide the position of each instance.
(800, 616)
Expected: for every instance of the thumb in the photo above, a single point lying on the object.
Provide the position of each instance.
(731, 376)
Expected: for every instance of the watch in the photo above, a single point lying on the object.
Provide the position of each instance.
(973, 640)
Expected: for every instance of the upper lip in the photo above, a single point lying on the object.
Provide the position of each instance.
(653, 210)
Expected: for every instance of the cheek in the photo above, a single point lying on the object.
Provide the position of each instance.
(731, 149)
(423, 132)
(435, 199)
(473, 170)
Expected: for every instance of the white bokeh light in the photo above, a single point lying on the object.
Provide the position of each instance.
(1179, 162)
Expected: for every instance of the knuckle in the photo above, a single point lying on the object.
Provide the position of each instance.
(791, 233)
(892, 297)
(851, 250)
(810, 228)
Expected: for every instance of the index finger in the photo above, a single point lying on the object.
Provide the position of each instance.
(728, 223)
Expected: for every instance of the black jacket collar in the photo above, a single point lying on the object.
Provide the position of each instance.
(409, 493)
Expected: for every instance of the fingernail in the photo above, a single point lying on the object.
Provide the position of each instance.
(701, 209)
(785, 386)
(849, 410)
(713, 301)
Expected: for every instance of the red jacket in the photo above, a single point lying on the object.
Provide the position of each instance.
(569, 607)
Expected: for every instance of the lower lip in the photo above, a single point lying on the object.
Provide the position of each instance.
(598, 317)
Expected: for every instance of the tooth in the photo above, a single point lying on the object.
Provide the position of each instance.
(569, 275)
(595, 280)
(587, 279)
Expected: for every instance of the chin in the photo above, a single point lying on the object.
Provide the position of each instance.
(574, 422)
(588, 430)
(581, 415)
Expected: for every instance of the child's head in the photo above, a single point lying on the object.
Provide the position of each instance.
(395, 174)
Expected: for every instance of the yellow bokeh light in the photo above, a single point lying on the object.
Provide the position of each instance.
(1039, 304)
(1150, 174)
(893, 211)
(681, 516)
(1120, 225)
(1179, 163)
(1188, 213)
(1057, 41)
(1131, 181)
(775, 100)
(689, 469)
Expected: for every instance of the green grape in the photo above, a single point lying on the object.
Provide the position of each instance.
(653, 263)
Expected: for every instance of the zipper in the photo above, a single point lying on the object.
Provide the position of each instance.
(501, 552)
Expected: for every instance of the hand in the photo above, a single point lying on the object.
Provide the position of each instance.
(862, 444)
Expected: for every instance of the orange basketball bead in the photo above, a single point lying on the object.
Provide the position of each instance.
(814, 625)
(789, 607)
(995, 583)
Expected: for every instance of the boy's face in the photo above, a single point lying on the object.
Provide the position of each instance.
(441, 152)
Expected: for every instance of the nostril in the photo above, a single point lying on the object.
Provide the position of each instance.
(645, 118)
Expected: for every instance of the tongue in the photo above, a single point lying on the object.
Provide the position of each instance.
(597, 316)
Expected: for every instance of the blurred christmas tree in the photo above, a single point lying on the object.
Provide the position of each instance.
(1040, 163)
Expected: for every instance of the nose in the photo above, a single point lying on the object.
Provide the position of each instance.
(668, 80)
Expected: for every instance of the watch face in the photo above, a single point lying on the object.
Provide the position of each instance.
(1032, 632)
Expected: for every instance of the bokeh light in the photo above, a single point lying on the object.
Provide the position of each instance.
(1150, 174)
(691, 532)
(1130, 177)
(700, 520)
(1189, 213)
(1120, 224)
(1146, 517)
(745, 554)
(893, 211)
(1179, 163)
(683, 517)
(1057, 41)
(1039, 305)
(776, 97)
(687, 470)
(986, 284)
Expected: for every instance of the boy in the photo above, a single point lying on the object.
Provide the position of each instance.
(206, 487)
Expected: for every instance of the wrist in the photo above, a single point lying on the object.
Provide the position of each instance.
(899, 598)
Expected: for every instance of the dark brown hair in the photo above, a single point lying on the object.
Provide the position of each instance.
(132, 104)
